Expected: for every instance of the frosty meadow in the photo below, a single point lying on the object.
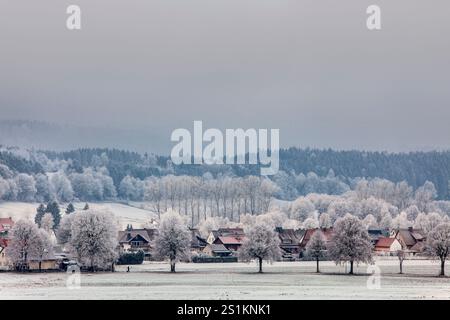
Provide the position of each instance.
(239, 146)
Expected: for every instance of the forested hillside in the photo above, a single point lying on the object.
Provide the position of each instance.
(302, 171)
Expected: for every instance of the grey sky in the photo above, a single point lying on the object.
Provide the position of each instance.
(309, 68)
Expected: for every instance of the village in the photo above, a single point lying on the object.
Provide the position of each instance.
(220, 246)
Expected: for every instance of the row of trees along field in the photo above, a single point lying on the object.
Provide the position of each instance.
(92, 238)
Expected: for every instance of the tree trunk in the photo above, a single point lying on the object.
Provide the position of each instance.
(401, 267)
(351, 267)
(172, 266)
(40, 266)
(260, 265)
(317, 265)
(442, 267)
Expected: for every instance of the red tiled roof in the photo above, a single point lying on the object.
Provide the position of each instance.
(384, 242)
(230, 240)
(6, 223)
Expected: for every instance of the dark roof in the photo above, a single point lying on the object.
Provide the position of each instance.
(230, 232)
(196, 240)
(218, 248)
(410, 236)
(146, 234)
(418, 247)
(288, 236)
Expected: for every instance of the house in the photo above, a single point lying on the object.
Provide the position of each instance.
(412, 240)
(232, 243)
(216, 250)
(197, 242)
(214, 234)
(376, 234)
(4, 262)
(327, 233)
(290, 240)
(386, 245)
(5, 225)
(136, 239)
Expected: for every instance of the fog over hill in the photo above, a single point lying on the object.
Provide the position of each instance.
(63, 136)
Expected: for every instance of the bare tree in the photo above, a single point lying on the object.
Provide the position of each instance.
(401, 258)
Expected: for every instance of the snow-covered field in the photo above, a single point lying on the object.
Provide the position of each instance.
(132, 213)
(283, 280)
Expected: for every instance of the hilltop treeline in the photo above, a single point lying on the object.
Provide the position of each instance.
(302, 171)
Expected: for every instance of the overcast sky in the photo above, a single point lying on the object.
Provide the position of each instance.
(310, 68)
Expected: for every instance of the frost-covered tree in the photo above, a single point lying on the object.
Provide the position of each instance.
(23, 243)
(261, 243)
(325, 220)
(61, 186)
(131, 188)
(386, 221)
(350, 242)
(64, 231)
(316, 247)
(302, 208)
(26, 187)
(212, 223)
(43, 247)
(47, 222)
(438, 243)
(93, 238)
(370, 222)
(43, 188)
(412, 212)
(310, 223)
(401, 221)
(93, 184)
(4, 189)
(424, 195)
(427, 222)
(173, 240)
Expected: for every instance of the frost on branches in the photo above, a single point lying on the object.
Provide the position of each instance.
(93, 237)
(28, 243)
(438, 243)
(261, 243)
(316, 247)
(173, 240)
(350, 242)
